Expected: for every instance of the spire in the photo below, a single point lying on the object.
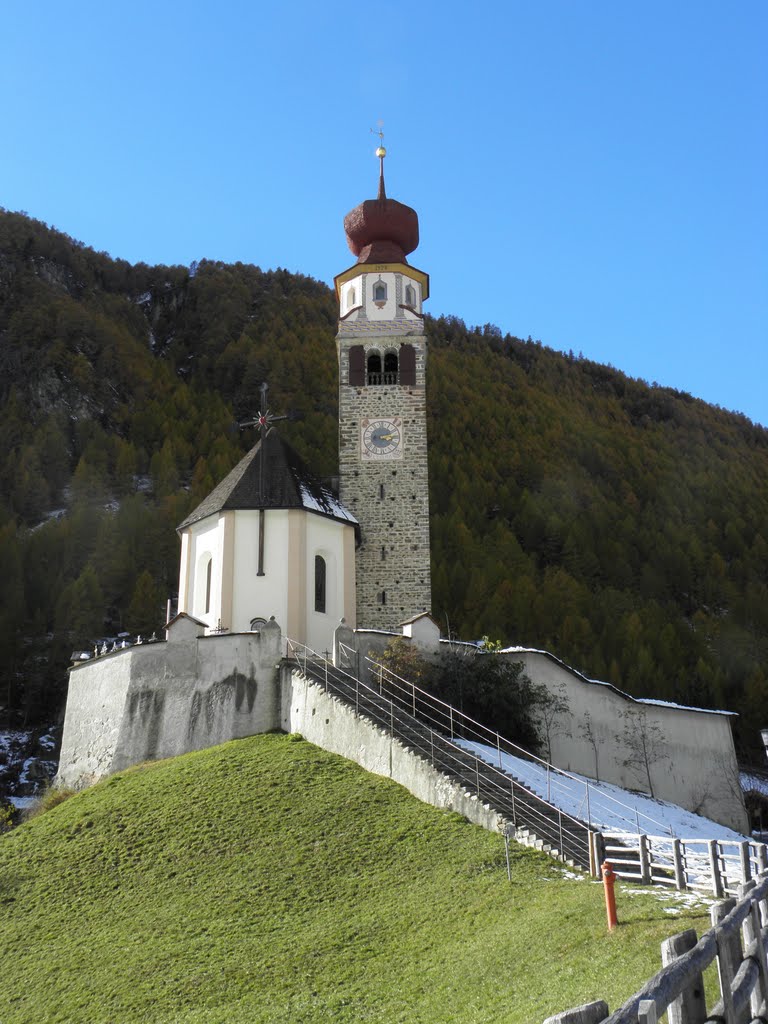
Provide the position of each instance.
(381, 230)
(381, 153)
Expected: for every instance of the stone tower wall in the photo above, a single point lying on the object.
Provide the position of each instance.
(394, 556)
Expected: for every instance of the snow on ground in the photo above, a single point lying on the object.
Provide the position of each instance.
(611, 809)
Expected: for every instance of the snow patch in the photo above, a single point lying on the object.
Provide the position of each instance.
(610, 808)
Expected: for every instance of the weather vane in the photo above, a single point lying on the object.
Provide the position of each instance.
(380, 132)
(264, 418)
(380, 153)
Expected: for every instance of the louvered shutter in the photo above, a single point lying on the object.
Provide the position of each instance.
(357, 366)
(407, 365)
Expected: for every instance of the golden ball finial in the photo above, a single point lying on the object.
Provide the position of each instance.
(381, 152)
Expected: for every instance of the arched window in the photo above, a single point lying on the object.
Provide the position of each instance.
(351, 298)
(320, 583)
(379, 293)
(390, 367)
(258, 623)
(208, 577)
(410, 295)
(373, 367)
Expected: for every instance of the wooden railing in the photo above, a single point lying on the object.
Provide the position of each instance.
(714, 866)
(737, 940)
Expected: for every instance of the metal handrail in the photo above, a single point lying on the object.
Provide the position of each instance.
(592, 797)
(489, 782)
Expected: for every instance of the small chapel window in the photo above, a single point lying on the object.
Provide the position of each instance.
(319, 583)
(379, 293)
(208, 577)
(410, 295)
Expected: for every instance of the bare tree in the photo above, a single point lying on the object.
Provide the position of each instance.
(550, 710)
(644, 744)
(587, 731)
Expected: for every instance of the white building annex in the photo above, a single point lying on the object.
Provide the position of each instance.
(270, 542)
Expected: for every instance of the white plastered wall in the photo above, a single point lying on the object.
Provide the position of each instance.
(692, 759)
(200, 542)
(255, 596)
(388, 310)
(325, 537)
(292, 539)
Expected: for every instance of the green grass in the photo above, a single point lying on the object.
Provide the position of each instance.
(266, 880)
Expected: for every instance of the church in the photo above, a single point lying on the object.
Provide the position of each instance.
(275, 565)
(272, 541)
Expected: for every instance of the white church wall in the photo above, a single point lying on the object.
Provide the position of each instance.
(94, 715)
(691, 757)
(257, 596)
(326, 538)
(159, 700)
(205, 541)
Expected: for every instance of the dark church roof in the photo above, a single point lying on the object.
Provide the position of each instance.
(287, 483)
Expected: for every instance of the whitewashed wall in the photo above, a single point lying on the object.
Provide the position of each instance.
(692, 759)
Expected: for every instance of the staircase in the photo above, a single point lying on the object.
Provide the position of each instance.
(428, 728)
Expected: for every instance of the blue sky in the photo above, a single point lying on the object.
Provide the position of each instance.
(592, 174)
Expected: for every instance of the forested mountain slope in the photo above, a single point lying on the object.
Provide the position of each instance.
(619, 525)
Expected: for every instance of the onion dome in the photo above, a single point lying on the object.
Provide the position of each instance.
(382, 230)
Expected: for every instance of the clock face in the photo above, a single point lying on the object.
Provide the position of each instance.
(382, 438)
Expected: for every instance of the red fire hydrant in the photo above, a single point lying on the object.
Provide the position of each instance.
(609, 877)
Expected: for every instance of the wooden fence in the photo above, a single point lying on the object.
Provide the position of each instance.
(710, 866)
(737, 940)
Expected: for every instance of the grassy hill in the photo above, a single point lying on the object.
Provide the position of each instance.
(266, 880)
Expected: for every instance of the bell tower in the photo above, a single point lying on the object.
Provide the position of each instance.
(382, 409)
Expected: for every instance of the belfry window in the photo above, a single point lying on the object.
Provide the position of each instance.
(390, 367)
(351, 297)
(373, 366)
(320, 583)
(410, 295)
(379, 293)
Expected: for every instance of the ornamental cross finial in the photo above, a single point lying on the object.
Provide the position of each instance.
(380, 153)
(263, 420)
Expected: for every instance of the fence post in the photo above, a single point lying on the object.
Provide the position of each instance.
(714, 867)
(746, 866)
(762, 857)
(600, 853)
(590, 1013)
(498, 747)
(589, 813)
(677, 857)
(560, 823)
(646, 1012)
(729, 957)
(689, 1007)
(645, 860)
(751, 934)
(514, 812)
